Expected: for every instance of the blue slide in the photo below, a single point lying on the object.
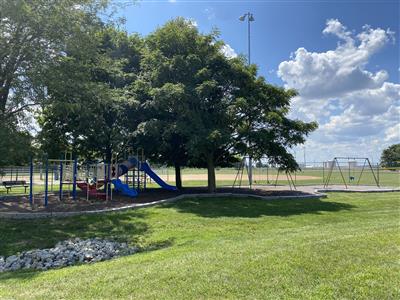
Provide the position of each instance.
(124, 188)
(146, 168)
(132, 162)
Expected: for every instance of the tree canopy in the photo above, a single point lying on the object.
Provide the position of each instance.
(89, 108)
(33, 36)
(391, 156)
(207, 108)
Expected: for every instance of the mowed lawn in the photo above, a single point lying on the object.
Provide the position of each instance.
(345, 246)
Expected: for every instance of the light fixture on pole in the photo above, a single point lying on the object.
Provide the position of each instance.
(250, 18)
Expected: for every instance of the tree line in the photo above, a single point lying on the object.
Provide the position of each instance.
(93, 89)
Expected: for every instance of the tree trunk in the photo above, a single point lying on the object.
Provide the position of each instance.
(212, 187)
(178, 177)
(108, 155)
(3, 99)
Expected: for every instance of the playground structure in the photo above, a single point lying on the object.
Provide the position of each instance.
(92, 179)
(131, 174)
(62, 177)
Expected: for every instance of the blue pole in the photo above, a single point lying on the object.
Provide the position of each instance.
(138, 173)
(31, 182)
(46, 187)
(74, 179)
(105, 176)
(61, 180)
(108, 182)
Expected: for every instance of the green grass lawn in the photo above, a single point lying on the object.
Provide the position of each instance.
(343, 247)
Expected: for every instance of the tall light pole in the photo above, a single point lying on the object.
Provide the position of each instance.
(250, 18)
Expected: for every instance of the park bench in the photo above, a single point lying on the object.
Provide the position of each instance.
(15, 183)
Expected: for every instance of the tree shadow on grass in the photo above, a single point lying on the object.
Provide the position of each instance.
(31, 273)
(21, 235)
(254, 208)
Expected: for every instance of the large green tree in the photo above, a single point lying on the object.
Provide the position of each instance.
(159, 132)
(88, 106)
(216, 106)
(33, 36)
(259, 116)
(173, 67)
(171, 60)
(237, 112)
(391, 156)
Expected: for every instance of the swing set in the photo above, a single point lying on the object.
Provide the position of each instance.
(351, 164)
(244, 164)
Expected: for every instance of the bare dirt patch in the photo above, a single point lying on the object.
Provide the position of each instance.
(231, 177)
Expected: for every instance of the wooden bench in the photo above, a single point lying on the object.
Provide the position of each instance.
(15, 183)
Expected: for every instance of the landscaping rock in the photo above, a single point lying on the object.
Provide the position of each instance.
(66, 253)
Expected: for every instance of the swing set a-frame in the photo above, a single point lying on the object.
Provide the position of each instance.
(244, 165)
(336, 162)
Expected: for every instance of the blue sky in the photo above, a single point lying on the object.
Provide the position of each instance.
(342, 57)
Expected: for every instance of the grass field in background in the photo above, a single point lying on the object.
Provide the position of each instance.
(386, 178)
(343, 247)
(260, 176)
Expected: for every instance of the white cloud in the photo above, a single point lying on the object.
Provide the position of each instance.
(370, 102)
(333, 26)
(358, 110)
(228, 51)
(172, 1)
(338, 71)
(194, 23)
(392, 134)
